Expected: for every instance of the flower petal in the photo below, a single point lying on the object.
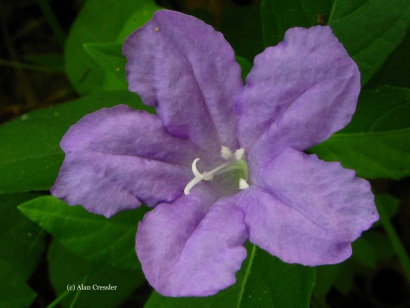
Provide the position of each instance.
(307, 211)
(188, 248)
(298, 93)
(188, 71)
(117, 158)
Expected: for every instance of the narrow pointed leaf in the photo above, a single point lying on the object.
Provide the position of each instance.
(109, 56)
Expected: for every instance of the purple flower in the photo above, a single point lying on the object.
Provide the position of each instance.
(222, 162)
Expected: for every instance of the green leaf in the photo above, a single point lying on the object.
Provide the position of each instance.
(263, 281)
(383, 202)
(93, 25)
(278, 16)
(245, 66)
(14, 292)
(30, 155)
(110, 57)
(367, 250)
(370, 30)
(389, 212)
(242, 29)
(66, 268)
(395, 71)
(380, 244)
(345, 277)
(377, 141)
(53, 62)
(363, 252)
(91, 236)
(22, 244)
(325, 278)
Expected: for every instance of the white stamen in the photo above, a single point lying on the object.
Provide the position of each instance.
(239, 153)
(226, 153)
(243, 184)
(213, 171)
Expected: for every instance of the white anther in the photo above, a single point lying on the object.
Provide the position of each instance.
(243, 184)
(226, 153)
(239, 153)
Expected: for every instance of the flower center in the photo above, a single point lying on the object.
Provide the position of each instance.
(234, 163)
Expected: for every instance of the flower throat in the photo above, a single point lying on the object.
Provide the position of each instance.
(235, 164)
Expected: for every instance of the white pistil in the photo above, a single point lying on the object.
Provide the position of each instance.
(191, 184)
(208, 176)
(243, 184)
(198, 177)
(194, 169)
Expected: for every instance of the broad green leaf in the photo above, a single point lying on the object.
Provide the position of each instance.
(15, 292)
(263, 281)
(108, 21)
(109, 56)
(278, 16)
(395, 71)
(141, 16)
(66, 268)
(22, 244)
(370, 30)
(30, 155)
(23, 238)
(242, 29)
(377, 141)
(91, 236)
